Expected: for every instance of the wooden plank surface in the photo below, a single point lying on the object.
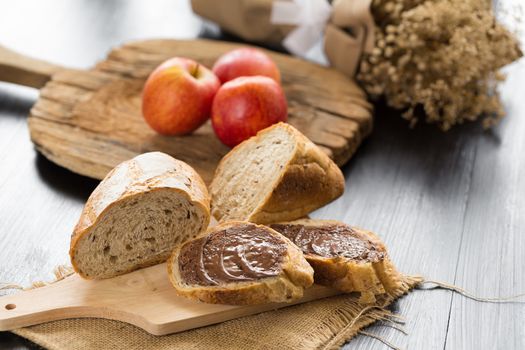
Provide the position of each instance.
(413, 192)
(491, 260)
(90, 121)
(449, 206)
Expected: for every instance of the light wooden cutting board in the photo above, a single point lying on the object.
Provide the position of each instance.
(144, 298)
(90, 120)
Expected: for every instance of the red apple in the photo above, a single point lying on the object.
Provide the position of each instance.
(244, 106)
(245, 62)
(178, 95)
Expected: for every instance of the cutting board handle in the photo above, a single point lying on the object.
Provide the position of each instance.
(23, 70)
(144, 298)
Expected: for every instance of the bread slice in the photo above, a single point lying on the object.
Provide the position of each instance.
(346, 258)
(277, 175)
(240, 263)
(137, 214)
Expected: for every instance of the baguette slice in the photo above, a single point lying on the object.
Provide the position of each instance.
(137, 214)
(346, 258)
(277, 175)
(240, 263)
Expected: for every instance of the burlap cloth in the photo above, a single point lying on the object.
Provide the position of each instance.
(322, 324)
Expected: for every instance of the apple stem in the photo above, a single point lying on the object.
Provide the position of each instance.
(195, 70)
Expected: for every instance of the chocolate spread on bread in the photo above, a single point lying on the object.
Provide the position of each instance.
(332, 241)
(237, 254)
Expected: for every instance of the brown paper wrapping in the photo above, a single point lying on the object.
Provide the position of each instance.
(348, 34)
(248, 19)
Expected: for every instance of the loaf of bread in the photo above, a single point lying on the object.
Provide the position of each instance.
(239, 263)
(277, 175)
(346, 258)
(136, 216)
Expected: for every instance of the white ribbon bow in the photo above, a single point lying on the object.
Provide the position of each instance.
(310, 17)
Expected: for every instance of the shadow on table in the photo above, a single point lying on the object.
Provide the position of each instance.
(14, 342)
(67, 183)
(16, 101)
(423, 154)
(389, 125)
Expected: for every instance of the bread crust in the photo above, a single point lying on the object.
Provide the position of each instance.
(145, 173)
(308, 181)
(296, 275)
(368, 278)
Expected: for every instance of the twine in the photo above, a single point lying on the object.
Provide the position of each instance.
(381, 339)
(463, 292)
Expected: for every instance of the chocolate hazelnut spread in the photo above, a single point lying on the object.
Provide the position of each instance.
(332, 241)
(236, 254)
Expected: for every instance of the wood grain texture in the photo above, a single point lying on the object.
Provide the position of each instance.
(448, 205)
(491, 260)
(413, 193)
(89, 121)
(23, 70)
(144, 298)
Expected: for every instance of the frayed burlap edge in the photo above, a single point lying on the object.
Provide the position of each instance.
(60, 272)
(351, 317)
(343, 323)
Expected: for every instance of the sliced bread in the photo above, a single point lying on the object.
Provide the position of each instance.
(346, 258)
(277, 175)
(136, 216)
(240, 263)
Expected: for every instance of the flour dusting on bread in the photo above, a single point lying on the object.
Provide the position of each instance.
(137, 215)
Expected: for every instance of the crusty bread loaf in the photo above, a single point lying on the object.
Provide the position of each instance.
(216, 266)
(137, 214)
(277, 175)
(359, 264)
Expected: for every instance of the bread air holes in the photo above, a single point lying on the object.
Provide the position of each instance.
(113, 259)
(106, 250)
(150, 240)
(129, 247)
(168, 212)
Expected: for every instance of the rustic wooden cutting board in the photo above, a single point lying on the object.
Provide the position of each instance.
(144, 298)
(89, 121)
